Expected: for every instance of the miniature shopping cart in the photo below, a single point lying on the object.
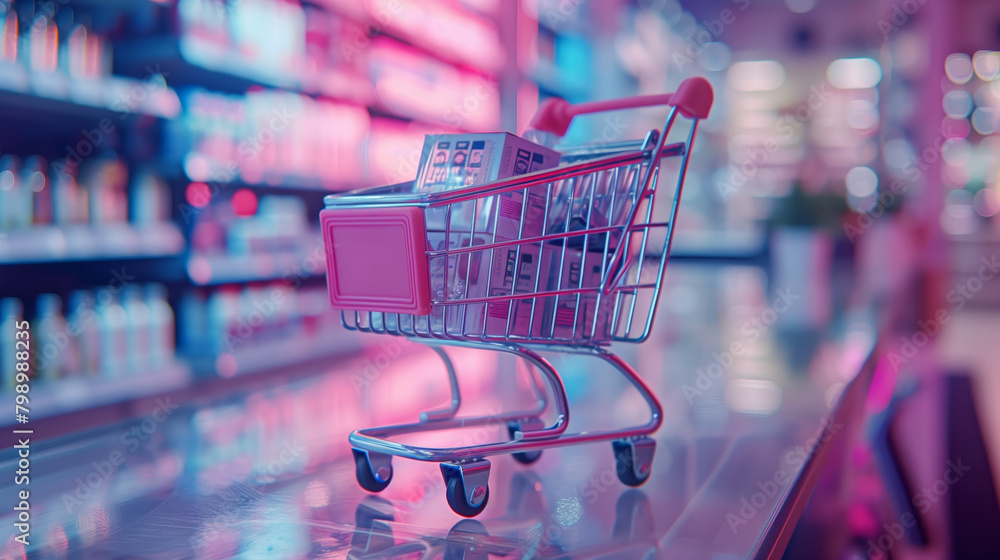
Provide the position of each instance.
(582, 269)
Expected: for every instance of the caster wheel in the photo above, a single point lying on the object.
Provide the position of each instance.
(633, 460)
(371, 478)
(459, 503)
(523, 457)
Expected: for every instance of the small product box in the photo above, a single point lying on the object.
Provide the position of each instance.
(450, 276)
(577, 265)
(455, 161)
(452, 161)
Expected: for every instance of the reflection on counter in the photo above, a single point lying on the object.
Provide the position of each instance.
(266, 472)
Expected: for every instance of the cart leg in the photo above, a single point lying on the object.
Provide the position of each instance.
(655, 408)
(467, 484)
(516, 429)
(456, 396)
(558, 395)
(537, 391)
(634, 455)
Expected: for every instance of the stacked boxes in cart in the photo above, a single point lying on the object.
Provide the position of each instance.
(460, 160)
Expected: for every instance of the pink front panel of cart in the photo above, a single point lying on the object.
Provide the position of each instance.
(376, 259)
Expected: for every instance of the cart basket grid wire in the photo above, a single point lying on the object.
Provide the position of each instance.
(568, 275)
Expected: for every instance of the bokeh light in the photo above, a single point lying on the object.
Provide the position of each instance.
(958, 68)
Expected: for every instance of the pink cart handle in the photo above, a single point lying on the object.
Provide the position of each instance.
(693, 99)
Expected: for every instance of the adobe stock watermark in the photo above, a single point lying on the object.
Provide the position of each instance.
(485, 433)
(922, 501)
(557, 13)
(786, 127)
(885, 200)
(540, 536)
(456, 115)
(53, 350)
(710, 33)
(248, 325)
(44, 16)
(375, 366)
(239, 494)
(770, 488)
(352, 46)
(314, 262)
(959, 296)
(249, 149)
(752, 329)
(124, 105)
(899, 15)
(913, 170)
(131, 440)
(267, 307)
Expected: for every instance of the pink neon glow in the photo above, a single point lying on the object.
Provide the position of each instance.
(225, 365)
(862, 520)
(443, 29)
(200, 270)
(883, 386)
(409, 82)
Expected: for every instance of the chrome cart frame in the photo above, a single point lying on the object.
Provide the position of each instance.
(595, 216)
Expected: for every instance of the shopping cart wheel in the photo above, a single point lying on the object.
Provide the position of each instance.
(468, 488)
(523, 457)
(634, 459)
(374, 470)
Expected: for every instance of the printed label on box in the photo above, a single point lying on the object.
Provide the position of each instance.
(579, 271)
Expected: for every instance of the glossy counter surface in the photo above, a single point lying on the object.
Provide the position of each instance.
(760, 387)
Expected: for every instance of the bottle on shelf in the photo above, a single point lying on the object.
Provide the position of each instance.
(161, 325)
(105, 176)
(85, 331)
(43, 44)
(11, 313)
(36, 184)
(137, 331)
(111, 323)
(51, 339)
(69, 201)
(14, 211)
(85, 54)
(9, 33)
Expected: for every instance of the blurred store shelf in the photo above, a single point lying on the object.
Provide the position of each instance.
(42, 95)
(94, 401)
(278, 355)
(190, 61)
(439, 28)
(79, 392)
(725, 245)
(122, 4)
(206, 171)
(47, 244)
(209, 270)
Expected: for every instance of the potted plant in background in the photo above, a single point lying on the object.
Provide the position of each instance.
(803, 234)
